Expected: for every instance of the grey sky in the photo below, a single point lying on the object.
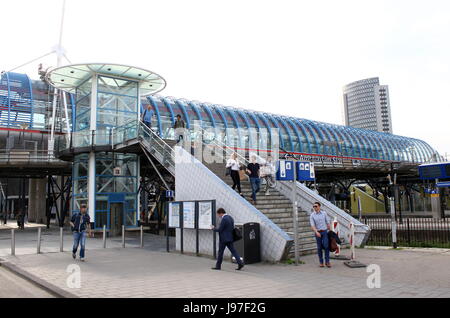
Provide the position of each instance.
(287, 57)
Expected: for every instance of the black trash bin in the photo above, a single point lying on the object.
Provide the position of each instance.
(249, 247)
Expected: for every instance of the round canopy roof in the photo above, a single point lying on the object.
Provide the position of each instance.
(69, 77)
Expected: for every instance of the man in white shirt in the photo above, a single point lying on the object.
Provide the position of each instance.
(233, 164)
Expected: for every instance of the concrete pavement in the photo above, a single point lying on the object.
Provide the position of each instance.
(135, 272)
(12, 286)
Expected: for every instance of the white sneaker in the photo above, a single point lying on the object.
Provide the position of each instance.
(82, 259)
(267, 193)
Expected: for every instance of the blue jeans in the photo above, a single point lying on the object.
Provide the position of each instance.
(322, 243)
(232, 250)
(256, 184)
(79, 238)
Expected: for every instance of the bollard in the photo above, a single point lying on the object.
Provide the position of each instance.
(335, 228)
(104, 236)
(38, 251)
(61, 240)
(13, 242)
(393, 223)
(352, 241)
(123, 236)
(142, 236)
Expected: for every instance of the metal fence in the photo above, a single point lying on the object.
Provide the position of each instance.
(412, 232)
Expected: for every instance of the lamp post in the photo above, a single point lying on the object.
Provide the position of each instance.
(392, 205)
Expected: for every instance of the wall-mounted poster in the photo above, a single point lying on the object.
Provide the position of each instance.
(205, 214)
(174, 214)
(189, 215)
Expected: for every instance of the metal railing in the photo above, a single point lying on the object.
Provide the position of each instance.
(26, 156)
(156, 146)
(412, 232)
(307, 197)
(153, 143)
(54, 243)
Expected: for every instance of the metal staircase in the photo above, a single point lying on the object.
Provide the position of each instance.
(276, 206)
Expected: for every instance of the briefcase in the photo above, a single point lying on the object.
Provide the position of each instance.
(237, 235)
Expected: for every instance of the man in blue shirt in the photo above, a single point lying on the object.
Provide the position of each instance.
(147, 116)
(320, 224)
(80, 222)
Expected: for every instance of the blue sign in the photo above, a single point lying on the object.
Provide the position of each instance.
(305, 171)
(169, 194)
(443, 184)
(285, 170)
(116, 197)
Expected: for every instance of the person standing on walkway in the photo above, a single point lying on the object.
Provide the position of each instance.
(179, 127)
(225, 231)
(80, 222)
(253, 169)
(147, 117)
(234, 166)
(320, 224)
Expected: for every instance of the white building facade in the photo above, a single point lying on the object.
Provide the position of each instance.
(366, 105)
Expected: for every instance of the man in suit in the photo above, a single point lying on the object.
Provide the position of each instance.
(226, 239)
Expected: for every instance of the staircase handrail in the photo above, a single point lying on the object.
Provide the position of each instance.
(307, 197)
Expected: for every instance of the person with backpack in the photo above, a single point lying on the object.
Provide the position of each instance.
(80, 222)
(226, 239)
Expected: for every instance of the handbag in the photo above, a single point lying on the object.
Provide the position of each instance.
(237, 235)
(228, 171)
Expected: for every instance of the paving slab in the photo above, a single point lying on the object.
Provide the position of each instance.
(136, 272)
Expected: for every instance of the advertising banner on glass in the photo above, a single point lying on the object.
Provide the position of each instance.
(174, 214)
(205, 215)
(189, 215)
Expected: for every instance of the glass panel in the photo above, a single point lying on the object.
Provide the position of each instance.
(83, 120)
(130, 218)
(101, 219)
(101, 203)
(80, 186)
(83, 90)
(117, 86)
(104, 184)
(125, 184)
(82, 138)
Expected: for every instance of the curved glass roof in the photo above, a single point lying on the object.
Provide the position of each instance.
(69, 77)
(308, 137)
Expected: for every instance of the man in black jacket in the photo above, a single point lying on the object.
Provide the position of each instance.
(226, 239)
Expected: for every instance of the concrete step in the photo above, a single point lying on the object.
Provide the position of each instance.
(305, 245)
(268, 205)
(287, 219)
(276, 210)
(304, 237)
(263, 197)
(288, 228)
